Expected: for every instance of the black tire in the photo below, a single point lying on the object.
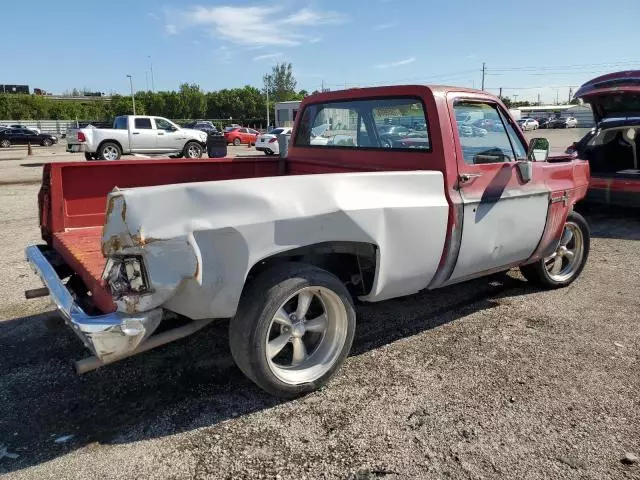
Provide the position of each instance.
(250, 328)
(46, 142)
(237, 142)
(4, 143)
(192, 150)
(537, 272)
(89, 156)
(107, 149)
(268, 153)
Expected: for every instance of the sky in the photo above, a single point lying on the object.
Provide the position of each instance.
(530, 48)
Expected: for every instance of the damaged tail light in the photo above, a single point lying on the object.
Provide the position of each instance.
(125, 276)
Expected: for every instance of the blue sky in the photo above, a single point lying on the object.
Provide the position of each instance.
(530, 47)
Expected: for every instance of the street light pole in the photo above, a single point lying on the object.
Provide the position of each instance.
(153, 85)
(133, 98)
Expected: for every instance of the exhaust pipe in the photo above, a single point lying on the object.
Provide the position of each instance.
(92, 363)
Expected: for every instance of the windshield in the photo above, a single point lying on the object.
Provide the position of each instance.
(276, 131)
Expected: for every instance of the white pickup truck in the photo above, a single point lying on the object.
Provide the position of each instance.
(136, 134)
(282, 246)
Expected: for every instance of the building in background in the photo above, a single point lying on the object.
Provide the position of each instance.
(286, 113)
(14, 89)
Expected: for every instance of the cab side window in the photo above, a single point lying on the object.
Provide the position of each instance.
(483, 133)
(143, 123)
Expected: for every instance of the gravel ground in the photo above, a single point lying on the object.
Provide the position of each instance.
(488, 379)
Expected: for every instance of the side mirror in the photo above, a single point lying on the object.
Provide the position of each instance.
(538, 150)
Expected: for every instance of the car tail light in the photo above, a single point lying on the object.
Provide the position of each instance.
(273, 140)
(82, 137)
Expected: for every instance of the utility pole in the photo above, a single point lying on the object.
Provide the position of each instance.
(538, 98)
(484, 70)
(153, 86)
(557, 97)
(268, 84)
(322, 87)
(133, 97)
(515, 97)
(570, 93)
(146, 79)
(500, 94)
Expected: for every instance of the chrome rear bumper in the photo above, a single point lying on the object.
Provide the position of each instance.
(108, 336)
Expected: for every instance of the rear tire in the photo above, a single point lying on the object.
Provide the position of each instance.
(565, 265)
(109, 151)
(237, 142)
(192, 150)
(269, 153)
(293, 329)
(89, 156)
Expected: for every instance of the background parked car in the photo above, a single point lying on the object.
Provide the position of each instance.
(203, 125)
(528, 124)
(34, 129)
(268, 142)
(241, 135)
(22, 136)
(568, 122)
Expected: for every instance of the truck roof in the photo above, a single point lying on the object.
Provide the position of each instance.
(390, 90)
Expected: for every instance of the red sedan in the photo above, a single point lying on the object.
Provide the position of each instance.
(239, 135)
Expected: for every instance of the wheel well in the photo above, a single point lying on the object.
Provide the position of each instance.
(109, 141)
(354, 263)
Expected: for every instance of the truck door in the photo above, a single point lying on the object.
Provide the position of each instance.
(143, 136)
(169, 138)
(504, 217)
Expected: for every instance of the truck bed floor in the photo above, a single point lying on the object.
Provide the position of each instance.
(80, 248)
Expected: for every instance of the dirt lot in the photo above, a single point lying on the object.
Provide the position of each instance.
(489, 379)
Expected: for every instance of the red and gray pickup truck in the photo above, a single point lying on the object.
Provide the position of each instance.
(283, 246)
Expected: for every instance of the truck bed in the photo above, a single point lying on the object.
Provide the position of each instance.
(72, 202)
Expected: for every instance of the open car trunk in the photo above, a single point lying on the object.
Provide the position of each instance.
(613, 146)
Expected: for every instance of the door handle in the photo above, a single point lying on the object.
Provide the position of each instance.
(160, 133)
(135, 133)
(467, 177)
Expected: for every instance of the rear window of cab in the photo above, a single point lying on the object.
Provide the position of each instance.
(381, 123)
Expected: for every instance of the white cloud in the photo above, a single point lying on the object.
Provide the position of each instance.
(384, 26)
(223, 54)
(266, 56)
(399, 63)
(171, 29)
(265, 26)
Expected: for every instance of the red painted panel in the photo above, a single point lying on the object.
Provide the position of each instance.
(77, 191)
(81, 250)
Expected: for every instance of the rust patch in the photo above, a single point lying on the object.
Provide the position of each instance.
(124, 211)
(110, 205)
(114, 243)
(141, 240)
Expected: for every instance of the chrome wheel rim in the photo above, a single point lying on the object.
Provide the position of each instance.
(563, 264)
(110, 153)
(306, 335)
(5, 143)
(193, 151)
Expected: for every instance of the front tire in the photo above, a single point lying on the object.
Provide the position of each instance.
(564, 265)
(192, 150)
(46, 142)
(89, 156)
(293, 329)
(237, 142)
(5, 143)
(109, 151)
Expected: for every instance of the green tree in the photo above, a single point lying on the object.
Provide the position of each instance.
(280, 83)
